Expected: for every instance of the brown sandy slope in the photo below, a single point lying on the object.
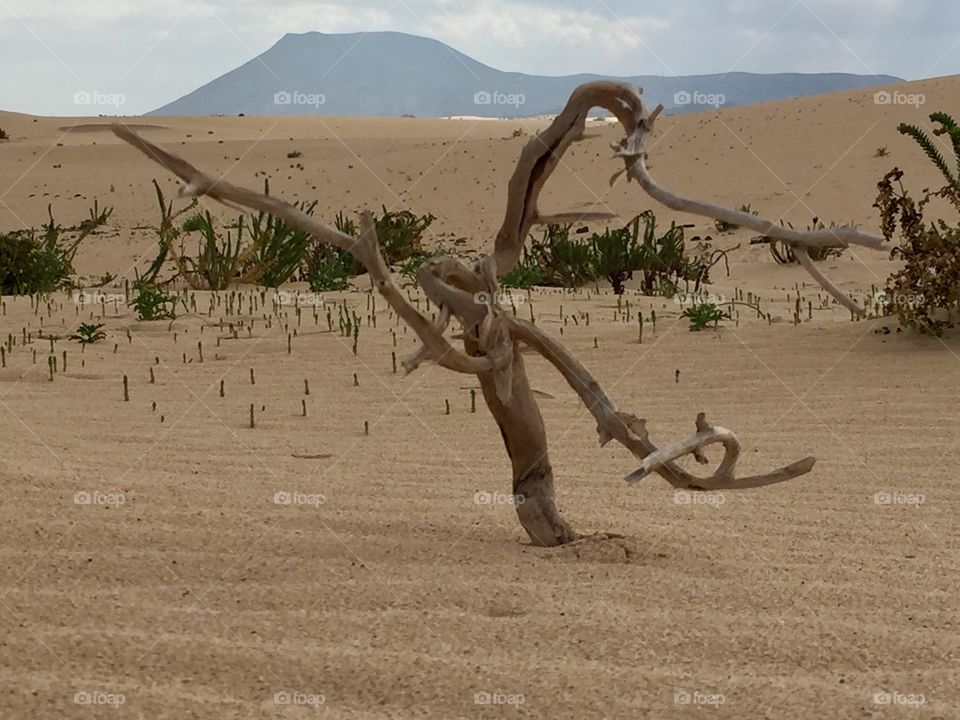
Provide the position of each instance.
(404, 594)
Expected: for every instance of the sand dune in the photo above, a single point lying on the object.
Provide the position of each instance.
(147, 553)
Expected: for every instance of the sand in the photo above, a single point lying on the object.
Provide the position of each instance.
(153, 568)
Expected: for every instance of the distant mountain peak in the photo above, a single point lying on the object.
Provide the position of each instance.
(390, 73)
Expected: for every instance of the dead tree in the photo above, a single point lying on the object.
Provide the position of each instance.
(491, 336)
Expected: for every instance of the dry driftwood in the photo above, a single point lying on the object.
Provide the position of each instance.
(491, 336)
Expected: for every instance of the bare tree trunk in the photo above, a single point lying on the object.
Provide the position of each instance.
(525, 438)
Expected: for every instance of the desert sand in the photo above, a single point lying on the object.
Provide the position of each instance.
(146, 558)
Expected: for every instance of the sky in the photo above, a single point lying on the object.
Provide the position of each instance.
(132, 56)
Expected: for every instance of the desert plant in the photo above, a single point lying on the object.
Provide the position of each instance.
(925, 293)
(97, 218)
(616, 254)
(294, 154)
(218, 259)
(948, 127)
(88, 333)
(881, 151)
(3, 134)
(326, 269)
(153, 303)
(564, 261)
(33, 261)
(704, 314)
(661, 260)
(408, 268)
(277, 250)
(168, 233)
(524, 276)
(401, 234)
(783, 253)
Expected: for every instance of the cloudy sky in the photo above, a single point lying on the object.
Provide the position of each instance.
(153, 52)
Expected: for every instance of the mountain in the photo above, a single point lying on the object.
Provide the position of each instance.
(391, 73)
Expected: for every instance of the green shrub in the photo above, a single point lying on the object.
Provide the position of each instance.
(327, 268)
(88, 333)
(39, 261)
(277, 250)
(153, 303)
(523, 277)
(616, 254)
(401, 234)
(168, 233)
(704, 314)
(564, 261)
(925, 293)
(218, 258)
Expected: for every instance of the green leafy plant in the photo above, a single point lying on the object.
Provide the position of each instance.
(219, 259)
(327, 269)
(662, 259)
(704, 314)
(523, 277)
(948, 127)
(401, 234)
(409, 267)
(564, 261)
(153, 303)
(88, 333)
(925, 293)
(616, 254)
(277, 250)
(34, 261)
(168, 233)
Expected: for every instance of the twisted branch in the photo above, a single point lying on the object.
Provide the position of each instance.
(491, 335)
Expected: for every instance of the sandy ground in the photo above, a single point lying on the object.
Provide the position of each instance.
(161, 559)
